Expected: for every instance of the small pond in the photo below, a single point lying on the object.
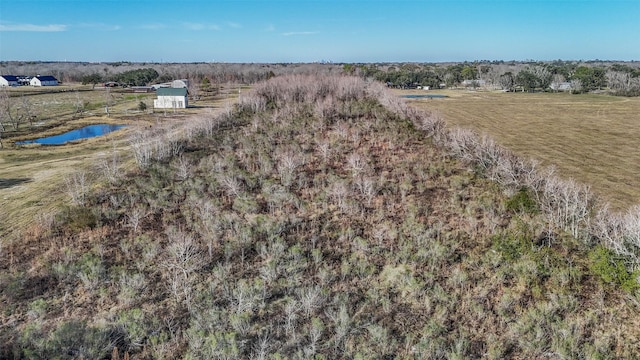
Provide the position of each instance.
(426, 96)
(78, 134)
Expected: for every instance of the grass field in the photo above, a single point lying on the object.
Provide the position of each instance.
(590, 138)
(32, 177)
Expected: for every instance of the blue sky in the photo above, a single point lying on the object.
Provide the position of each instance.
(313, 30)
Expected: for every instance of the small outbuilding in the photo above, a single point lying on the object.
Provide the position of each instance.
(9, 80)
(44, 80)
(171, 98)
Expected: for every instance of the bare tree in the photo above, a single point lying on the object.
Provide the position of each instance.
(8, 112)
(576, 85)
(77, 186)
(108, 100)
(556, 81)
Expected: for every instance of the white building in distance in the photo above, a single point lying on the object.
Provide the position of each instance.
(43, 80)
(171, 98)
(8, 80)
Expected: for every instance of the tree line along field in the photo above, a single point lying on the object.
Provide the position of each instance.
(321, 217)
(590, 138)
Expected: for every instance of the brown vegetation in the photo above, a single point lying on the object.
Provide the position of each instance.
(587, 137)
(323, 218)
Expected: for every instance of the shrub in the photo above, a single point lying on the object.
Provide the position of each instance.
(77, 218)
(611, 269)
(522, 202)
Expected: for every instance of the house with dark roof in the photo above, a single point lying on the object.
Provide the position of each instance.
(171, 98)
(43, 80)
(8, 80)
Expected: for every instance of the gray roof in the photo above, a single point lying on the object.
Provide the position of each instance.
(172, 92)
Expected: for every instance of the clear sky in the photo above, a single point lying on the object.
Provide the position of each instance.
(313, 30)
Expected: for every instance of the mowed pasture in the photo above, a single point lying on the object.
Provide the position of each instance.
(591, 138)
(33, 178)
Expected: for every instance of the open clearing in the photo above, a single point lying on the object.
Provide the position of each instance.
(590, 138)
(32, 177)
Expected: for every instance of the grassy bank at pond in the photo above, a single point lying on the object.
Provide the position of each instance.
(591, 138)
(319, 219)
(33, 178)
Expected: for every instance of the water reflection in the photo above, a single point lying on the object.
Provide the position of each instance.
(82, 133)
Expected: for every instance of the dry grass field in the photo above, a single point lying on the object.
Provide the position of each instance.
(32, 177)
(590, 138)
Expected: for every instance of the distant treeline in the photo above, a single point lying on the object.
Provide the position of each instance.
(617, 77)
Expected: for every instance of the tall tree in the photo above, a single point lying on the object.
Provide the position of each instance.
(507, 81)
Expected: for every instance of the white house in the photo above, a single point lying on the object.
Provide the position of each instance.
(8, 80)
(171, 98)
(44, 80)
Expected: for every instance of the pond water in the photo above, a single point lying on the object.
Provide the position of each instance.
(78, 134)
(426, 96)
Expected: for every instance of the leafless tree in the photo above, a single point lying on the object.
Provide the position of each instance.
(8, 111)
(77, 186)
(109, 166)
(576, 85)
(556, 81)
(135, 217)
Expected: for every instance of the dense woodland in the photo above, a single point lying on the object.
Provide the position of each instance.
(322, 218)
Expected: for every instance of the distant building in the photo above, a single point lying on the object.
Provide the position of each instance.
(45, 80)
(9, 80)
(563, 86)
(141, 89)
(171, 98)
(474, 83)
(181, 83)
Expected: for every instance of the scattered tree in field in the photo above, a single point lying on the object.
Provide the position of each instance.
(27, 109)
(142, 106)
(9, 112)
